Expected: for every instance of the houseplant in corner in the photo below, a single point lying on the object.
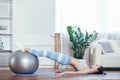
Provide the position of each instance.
(80, 41)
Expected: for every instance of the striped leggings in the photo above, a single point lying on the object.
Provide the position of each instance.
(59, 57)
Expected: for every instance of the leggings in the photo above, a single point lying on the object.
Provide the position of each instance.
(59, 57)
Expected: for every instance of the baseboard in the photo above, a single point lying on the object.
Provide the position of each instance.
(4, 68)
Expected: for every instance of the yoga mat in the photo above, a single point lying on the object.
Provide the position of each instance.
(39, 74)
(54, 74)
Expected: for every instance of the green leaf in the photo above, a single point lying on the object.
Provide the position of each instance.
(80, 41)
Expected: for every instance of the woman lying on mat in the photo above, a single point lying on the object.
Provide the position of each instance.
(80, 66)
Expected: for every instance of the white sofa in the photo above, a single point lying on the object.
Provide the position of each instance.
(106, 53)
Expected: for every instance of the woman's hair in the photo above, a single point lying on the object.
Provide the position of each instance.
(100, 71)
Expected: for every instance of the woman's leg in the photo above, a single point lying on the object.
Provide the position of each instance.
(60, 57)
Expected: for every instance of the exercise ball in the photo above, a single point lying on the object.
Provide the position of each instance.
(23, 62)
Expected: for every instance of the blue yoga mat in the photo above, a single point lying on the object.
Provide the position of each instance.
(53, 74)
(39, 74)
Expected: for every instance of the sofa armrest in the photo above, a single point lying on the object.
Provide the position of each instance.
(96, 50)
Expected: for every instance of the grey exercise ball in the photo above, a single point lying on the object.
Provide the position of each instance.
(23, 62)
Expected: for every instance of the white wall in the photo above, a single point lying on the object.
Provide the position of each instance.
(34, 25)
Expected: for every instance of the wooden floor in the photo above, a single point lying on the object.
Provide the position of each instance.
(8, 75)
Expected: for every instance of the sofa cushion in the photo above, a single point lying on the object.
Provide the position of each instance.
(115, 46)
(106, 47)
(110, 60)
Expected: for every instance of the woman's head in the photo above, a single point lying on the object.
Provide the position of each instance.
(99, 69)
(95, 66)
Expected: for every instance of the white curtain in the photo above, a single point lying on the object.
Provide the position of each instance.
(100, 15)
(66, 44)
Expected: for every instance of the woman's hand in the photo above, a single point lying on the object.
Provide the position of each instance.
(60, 74)
(67, 73)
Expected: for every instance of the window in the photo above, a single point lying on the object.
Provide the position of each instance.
(100, 15)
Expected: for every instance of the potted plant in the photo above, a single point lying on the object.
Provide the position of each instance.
(80, 41)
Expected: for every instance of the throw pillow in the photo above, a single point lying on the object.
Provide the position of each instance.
(106, 47)
(115, 46)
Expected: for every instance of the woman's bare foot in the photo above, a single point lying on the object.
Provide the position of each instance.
(26, 49)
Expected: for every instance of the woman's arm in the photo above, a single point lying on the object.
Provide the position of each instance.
(85, 71)
(70, 73)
